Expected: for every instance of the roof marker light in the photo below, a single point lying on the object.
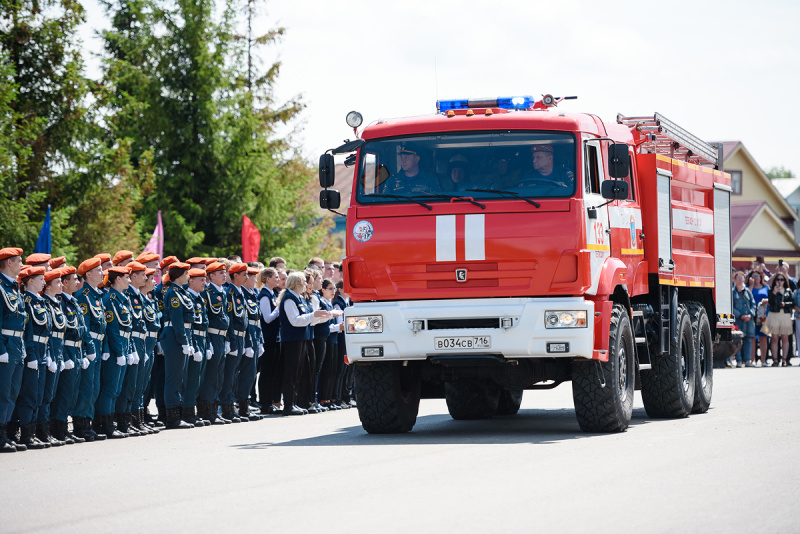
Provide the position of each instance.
(510, 102)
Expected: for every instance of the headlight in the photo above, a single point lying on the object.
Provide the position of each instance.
(565, 319)
(365, 324)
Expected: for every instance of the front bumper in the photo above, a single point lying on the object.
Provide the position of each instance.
(526, 338)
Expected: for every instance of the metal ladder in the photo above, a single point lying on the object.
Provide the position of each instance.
(640, 338)
(662, 136)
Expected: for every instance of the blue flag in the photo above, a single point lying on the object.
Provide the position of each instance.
(45, 241)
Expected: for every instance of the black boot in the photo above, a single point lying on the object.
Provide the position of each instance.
(59, 431)
(229, 413)
(122, 424)
(136, 423)
(28, 438)
(161, 418)
(219, 415)
(108, 427)
(43, 433)
(244, 409)
(81, 428)
(132, 430)
(71, 433)
(174, 419)
(6, 445)
(144, 418)
(188, 415)
(12, 432)
(97, 426)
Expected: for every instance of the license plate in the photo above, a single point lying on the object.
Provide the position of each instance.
(462, 342)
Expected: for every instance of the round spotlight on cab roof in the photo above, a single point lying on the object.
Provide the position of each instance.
(548, 100)
(354, 119)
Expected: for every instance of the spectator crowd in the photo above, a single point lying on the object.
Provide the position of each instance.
(84, 351)
(766, 307)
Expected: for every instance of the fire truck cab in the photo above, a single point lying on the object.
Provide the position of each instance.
(503, 245)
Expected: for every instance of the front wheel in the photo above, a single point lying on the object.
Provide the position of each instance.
(510, 401)
(471, 400)
(603, 391)
(704, 359)
(387, 397)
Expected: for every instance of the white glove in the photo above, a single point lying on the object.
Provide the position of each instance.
(4, 357)
(84, 363)
(33, 364)
(121, 361)
(69, 364)
(227, 347)
(260, 349)
(91, 356)
(249, 352)
(198, 356)
(136, 358)
(61, 366)
(129, 359)
(106, 356)
(209, 354)
(159, 350)
(52, 366)
(48, 361)
(187, 349)
(146, 358)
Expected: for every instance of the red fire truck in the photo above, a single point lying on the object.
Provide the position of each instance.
(502, 245)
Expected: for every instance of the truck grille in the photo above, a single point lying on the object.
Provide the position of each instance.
(448, 324)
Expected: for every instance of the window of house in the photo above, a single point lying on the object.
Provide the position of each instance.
(736, 182)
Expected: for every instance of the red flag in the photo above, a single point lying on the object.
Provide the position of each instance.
(251, 240)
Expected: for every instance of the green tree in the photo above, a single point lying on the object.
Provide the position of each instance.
(779, 172)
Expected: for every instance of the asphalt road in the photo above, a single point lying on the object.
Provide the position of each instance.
(734, 469)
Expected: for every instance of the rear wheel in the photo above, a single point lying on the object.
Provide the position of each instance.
(510, 401)
(704, 364)
(668, 387)
(471, 400)
(603, 391)
(387, 397)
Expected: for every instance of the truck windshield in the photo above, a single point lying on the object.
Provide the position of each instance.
(437, 167)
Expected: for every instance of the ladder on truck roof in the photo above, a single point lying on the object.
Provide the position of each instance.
(662, 136)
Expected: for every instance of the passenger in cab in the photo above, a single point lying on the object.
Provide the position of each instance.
(545, 176)
(458, 174)
(410, 180)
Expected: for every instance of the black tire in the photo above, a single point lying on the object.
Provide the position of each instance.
(471, 400)
(510, 401)
(668, 387)
(704, 364)
(387, 397)
(607, 407)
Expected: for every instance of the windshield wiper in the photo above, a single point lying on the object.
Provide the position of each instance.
(457, 197)
(512, 193)
(402, 197)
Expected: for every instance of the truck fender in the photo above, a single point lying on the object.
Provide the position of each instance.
(612, 274)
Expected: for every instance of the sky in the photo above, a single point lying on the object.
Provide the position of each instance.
(723, 70)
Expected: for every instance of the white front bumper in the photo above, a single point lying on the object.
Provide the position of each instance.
(527, 338)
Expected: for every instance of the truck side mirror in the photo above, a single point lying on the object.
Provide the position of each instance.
(619, 160)
(327, 170)
(329, 199)
(614, 189)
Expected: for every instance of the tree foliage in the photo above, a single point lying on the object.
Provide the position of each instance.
(779, 172)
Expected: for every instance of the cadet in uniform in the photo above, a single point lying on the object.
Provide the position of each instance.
(152, 319)
(157, 374)
(249, 364)
(238, 342)
(55, 358)
(39, 259)
(202, 352)
(76, 342)
(176, 342)
(90, 302)
(119, 322)
(12, 348)
(218, 322)
(37, 334)
(270, 363)
(124, 405)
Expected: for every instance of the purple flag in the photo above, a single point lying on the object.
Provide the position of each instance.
(156, 243)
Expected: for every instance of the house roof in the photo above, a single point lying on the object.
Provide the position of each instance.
(741, 215)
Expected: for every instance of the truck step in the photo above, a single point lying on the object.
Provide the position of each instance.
(637, 313)
(641, 340)
(644, 367)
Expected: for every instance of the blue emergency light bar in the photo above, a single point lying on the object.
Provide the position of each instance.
(509, 102)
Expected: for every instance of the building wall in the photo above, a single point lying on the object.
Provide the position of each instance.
(755, 185)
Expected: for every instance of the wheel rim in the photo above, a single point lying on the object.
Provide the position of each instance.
(622, 362)
(684, 366)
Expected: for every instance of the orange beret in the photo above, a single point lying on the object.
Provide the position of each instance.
(120, 270)
(146, 257)
(150, 272)
(196, 272)
(237, 268)
(121, 256)
(68, 270)
(10, 252)
(135, 266)
(55, 263)
(252, 270)
(33, 259)
(180, 265)
(52, 275)
(169, 260)
(30, 271)
(88, 265)
(193, 261)
(209, 261)
(103, 256)
(216, 266)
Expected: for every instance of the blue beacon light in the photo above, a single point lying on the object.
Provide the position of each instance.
(510, 102)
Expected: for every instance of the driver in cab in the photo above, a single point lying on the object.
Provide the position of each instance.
(544, 174)
(410, 180)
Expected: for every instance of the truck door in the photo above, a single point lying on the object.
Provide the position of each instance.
(625, 217)
(597, 227)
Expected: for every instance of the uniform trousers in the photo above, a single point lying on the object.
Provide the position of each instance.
(127, 391)
(327, 374)
(320, 352)
(10, 377)
(89, 386)
(270, 373)
(175, 365)
(246, 377)
(211, 380)
(194, 375)
(31, 391)
(50, 384)
(231, 370)
(295, 359)
(68, 382)
(145, 368)
(111, 378)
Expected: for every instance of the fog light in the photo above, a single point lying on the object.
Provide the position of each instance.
(371, 352)
(417, 325)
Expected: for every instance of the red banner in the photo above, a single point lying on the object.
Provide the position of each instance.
(251, 240)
